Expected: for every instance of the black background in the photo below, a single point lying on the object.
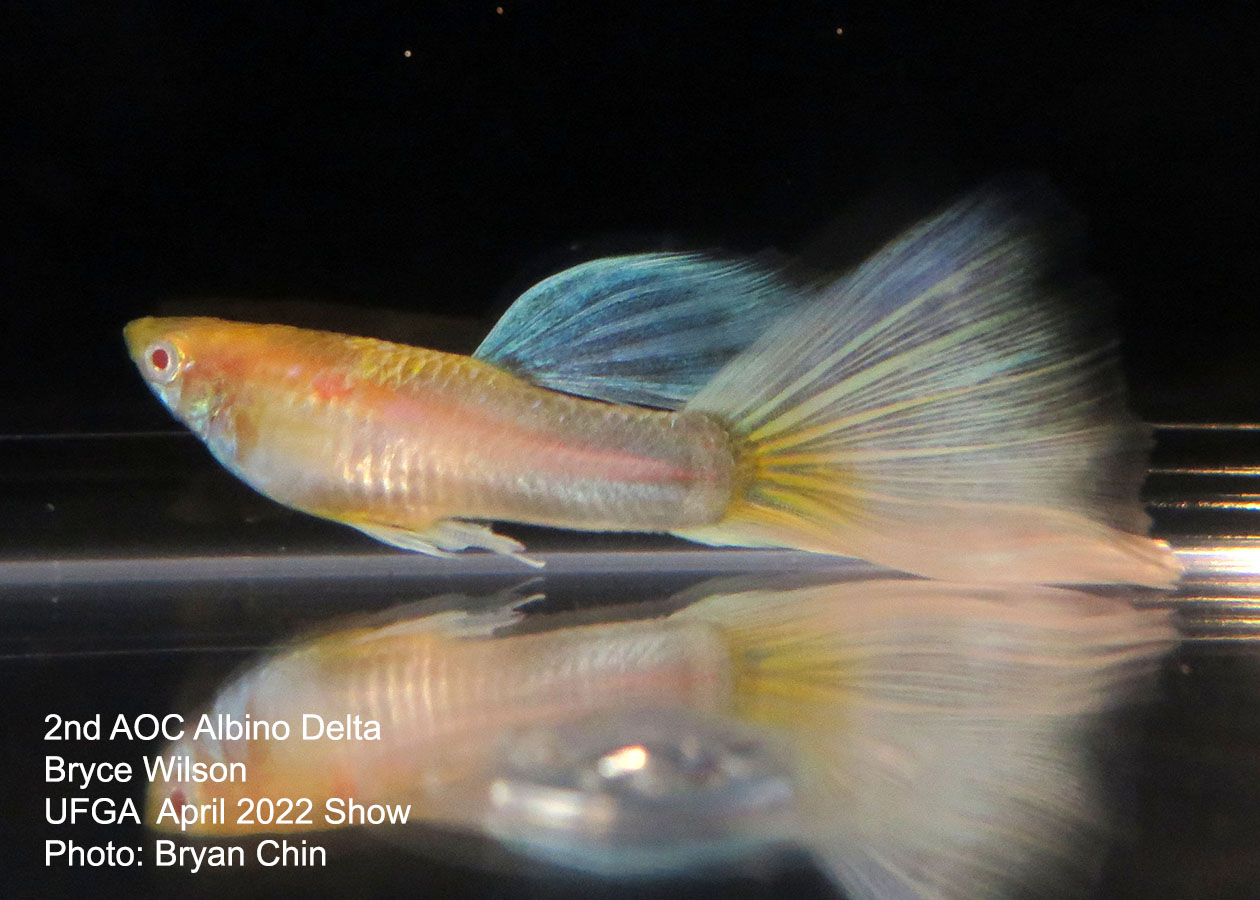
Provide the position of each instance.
(295, 151)
(264, 151)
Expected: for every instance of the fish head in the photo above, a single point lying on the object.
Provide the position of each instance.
(167, 797)
(203, 371)
(185, 362)
(183, 783)
(218, 761)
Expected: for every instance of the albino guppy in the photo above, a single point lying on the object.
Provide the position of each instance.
(951, 408)
(920, 739)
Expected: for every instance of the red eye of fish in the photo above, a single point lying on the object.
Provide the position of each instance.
(164, 361)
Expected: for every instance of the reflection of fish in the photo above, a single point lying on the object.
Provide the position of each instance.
(644, 792)
(945, 409)
(919, 738)
(441, 691)
(941, 740)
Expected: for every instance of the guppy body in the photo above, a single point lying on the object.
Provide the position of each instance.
(380, 435)
(441, 696)
(949, 408)
(917, 738)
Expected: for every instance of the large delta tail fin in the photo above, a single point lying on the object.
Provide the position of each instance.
(953, 408)
(945, 730)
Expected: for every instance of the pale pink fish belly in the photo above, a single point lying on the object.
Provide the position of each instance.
(449, 699)
(404, 436)
(443, 703)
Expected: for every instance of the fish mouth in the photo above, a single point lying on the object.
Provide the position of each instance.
(140, 333)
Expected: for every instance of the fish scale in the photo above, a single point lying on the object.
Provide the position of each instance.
(916, 738)
(954, 408)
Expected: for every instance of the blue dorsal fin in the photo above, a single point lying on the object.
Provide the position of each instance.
(649, 329)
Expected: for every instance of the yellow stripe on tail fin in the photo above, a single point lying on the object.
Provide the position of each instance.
(953, 408)
(944, 730)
